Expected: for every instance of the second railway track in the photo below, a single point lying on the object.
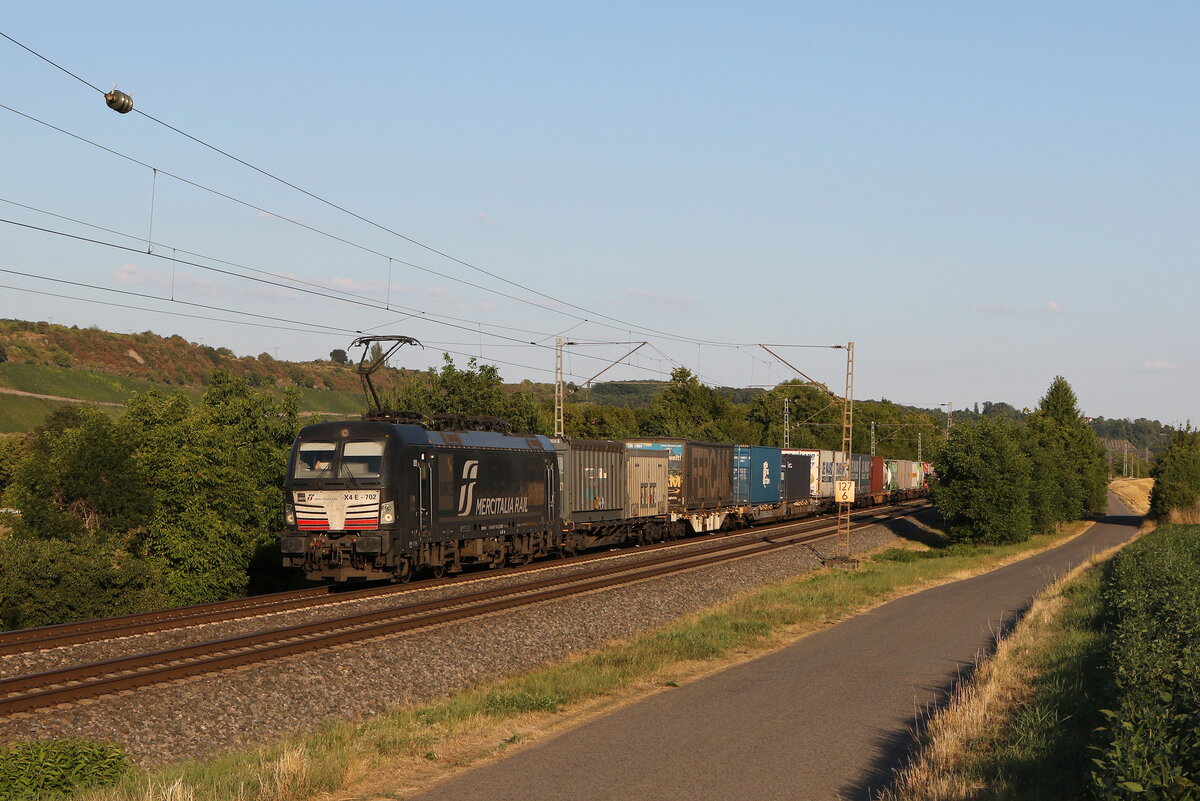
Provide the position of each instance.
(53, 687)
(69, 634)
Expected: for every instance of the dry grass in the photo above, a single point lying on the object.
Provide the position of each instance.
(1189, 517)
(1134, 493)
(963, 749)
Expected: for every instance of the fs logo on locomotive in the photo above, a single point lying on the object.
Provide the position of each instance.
(467, 492)
(484, 506)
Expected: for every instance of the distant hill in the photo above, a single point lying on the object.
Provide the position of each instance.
(63, 364)
(160, 360)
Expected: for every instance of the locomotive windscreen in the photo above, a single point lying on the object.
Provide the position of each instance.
(314, 459)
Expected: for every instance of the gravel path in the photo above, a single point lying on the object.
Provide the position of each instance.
(196, 717)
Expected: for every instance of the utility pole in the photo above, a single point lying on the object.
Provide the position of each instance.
(787, 428)
(919, 447)
(559, 392)
(847, 435)
(558, 387)
(872, 437)
(843, 487)
(949, 416)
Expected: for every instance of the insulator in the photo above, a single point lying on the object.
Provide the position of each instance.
(119, 102)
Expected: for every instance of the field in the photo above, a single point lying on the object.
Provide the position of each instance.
(1134, 493)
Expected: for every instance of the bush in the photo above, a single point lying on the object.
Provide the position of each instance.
(49, 768)
(55, 581)
(1152, 740)
(1177, 476)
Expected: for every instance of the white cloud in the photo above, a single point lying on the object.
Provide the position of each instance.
(352, 285)
(133, 275)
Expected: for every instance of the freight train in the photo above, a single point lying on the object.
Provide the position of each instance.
(387, 499)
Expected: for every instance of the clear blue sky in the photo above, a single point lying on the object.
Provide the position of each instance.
(981, 196)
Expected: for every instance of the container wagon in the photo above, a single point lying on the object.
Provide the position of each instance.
(701, 480)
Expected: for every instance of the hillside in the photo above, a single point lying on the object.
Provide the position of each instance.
(44, 367)
(159, 360)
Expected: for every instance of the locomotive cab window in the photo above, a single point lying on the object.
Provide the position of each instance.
(313, 459)
(362, 459)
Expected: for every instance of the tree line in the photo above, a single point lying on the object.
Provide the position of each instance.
(1001, 481)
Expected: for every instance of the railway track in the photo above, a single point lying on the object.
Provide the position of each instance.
(67, 634)
(65, 685)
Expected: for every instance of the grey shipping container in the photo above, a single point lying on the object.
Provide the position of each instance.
(591, 479)
(701, 473)
(830, 470)
(860, 472)
(649, 483)
(796, 484)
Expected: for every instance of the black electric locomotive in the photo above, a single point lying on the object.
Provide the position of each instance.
(377, 499)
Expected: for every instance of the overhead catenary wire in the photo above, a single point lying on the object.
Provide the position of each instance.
(244, 277)
(625, 325)
(339, 239)
(298, 223)
(325, 289)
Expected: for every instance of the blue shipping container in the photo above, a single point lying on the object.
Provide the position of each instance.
(756, 474)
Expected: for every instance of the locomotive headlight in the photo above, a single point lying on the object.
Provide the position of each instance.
(289, 514)
(387, 512)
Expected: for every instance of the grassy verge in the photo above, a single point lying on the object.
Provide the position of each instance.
(414, 747)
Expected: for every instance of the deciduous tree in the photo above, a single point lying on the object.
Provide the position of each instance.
(982, 487)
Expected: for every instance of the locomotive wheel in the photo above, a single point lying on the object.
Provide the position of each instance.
(404, 572)
(437, 571)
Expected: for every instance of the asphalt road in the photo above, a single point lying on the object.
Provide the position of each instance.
(826, 718)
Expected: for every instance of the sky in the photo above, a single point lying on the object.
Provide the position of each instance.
(979, 196)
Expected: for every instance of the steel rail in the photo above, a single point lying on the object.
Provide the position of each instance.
(23, 693)
(67, 634)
